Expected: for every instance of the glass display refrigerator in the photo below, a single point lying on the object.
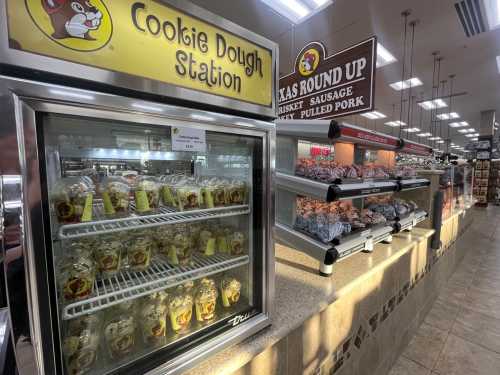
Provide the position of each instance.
(136, 253)
(137, 207)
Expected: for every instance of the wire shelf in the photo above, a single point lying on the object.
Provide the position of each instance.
(130, 285)
(163, 216)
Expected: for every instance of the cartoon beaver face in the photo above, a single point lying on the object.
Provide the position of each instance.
(308, 62)
(72, 18)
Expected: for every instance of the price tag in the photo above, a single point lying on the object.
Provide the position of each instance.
(189, 139)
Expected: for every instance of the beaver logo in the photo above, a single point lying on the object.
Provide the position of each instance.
(309, 62)
(82, 25)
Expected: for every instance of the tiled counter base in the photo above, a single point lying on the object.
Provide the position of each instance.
(356, 322)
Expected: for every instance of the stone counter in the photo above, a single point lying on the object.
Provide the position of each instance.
(368, 309)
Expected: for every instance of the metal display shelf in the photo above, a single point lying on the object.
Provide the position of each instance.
(160, 275)
(333, 192)
(410, 221)
(164, 216)
(414, 183)
(329, 253)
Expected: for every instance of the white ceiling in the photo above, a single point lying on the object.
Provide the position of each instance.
(472, 60)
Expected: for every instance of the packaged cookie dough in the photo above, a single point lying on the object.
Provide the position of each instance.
(181, 310)
(72, 199)
(236, 193)
(147, 195)
(230, 290)
(237, 242)
(76, 275)
(153, 317)
(108, 255)
(116, 196)
(206, 242)
(119, 331)
(81, 343)
(205, 300)
(189, 198)
(139, 253)
(180, 252)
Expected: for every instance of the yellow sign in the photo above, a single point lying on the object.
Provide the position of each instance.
(146, 39)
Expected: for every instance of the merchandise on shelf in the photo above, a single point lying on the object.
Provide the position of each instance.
(81, 344)
(388, 206)
(72, 198)
(205, 300)
(119, 329)
(328, 221)
(77, 274)
(116, 196)
(331, 171)
(230, 289)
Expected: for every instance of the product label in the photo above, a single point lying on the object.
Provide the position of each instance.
(189, 139)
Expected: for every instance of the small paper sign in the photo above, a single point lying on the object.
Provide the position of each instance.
(189, 139)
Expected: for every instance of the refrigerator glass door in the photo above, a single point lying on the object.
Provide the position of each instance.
(156, 236)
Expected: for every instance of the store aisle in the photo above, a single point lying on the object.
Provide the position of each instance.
(461, 333)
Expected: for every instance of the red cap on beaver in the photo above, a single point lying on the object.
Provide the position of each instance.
(52, 6)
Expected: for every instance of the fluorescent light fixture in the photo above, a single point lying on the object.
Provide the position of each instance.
(464, 131)
(492, 10)
(424, 135)
(476, 134)
(448, 116)
(384, 57)
(413, 130)
(435, 139)
(395, 123)
(440, 142)
(201, 117)
(433, 104)
(297, 10)
(474, 139)
(71, 94)
(147, 107)
(403, 85)
(470, 135)
(373, 115)
(460, 124)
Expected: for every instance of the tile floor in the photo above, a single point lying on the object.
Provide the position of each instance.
(461, 333)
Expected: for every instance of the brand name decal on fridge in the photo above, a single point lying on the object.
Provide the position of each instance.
(240, 318)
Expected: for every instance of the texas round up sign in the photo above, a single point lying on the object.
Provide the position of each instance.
(322, 87)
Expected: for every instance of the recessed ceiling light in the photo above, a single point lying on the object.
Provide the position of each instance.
(470, 135)
(435, 139)
(395, 123)
(384, 57)
(373, 115)
(463, 131)
(492, 10)
(425, 135)
(403, 85)
(433, 104)
(476, 134)
(412, 130)
(448, 116)
(474, 139)
(440, 142)
(297, 10)
(460, 124)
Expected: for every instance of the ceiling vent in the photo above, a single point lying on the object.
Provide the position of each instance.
(471, 17)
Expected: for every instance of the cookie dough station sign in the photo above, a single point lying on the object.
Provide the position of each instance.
(323, 87)
(147, 39)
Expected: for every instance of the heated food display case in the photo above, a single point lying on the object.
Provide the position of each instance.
(137, 212)
(335, 188)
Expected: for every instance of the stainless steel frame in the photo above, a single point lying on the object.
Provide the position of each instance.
(19, 102)
(50, 65)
